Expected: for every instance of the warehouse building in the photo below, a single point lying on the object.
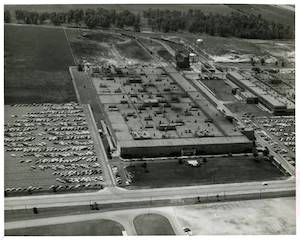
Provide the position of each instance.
(182, 60)
(278, 107)
(178, 147)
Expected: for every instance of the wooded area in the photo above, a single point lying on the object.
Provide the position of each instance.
(234, 24)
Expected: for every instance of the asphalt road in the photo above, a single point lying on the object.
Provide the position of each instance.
(118, 195)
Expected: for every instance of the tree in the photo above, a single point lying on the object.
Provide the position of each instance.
(180, 161)
(144, 165)
(255, 155)
(58, 18)
(7, 17)
(19, 15)
(43, 17)
(35, 210)
(252, 61)
(78, 15)
(266, 151)
(70, 16)
(137, 23)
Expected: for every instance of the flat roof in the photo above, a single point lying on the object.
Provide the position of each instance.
(258, 91)
(184, 141)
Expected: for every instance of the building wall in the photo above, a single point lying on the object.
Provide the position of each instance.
(166, 151)
(275, 109)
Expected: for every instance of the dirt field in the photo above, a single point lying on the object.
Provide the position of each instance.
(268, 216)
(215, 170)
(152, 224)
(88, 228)
(103, 48)
(36, 65)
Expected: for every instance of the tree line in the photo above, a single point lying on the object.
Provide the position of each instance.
(234, 24)
(92, 18)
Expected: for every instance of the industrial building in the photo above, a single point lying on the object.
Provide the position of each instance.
(249, 97)
(182, 60)
(278, 105)
(162, 114)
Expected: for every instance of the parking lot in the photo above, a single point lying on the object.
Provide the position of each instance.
(278, 131)
(48, 148)
(282, 131)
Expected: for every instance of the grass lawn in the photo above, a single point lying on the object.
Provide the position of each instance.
(215, 170)
(220, 89)
(165, 54)
(100, 227)
(152, 224)
(104, 37)
(133, 50)
(36, 65)
(241, 108)
(88, 49)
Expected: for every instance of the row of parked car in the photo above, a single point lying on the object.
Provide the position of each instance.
(57, 139)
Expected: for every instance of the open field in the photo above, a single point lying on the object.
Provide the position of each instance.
(268, 216)
(215, 170)
(133, 50)
(242, 108)
(100, 48)
(103, 37)
(101, 227)
(236, 50)
(152, 224)
(36, 65)
(48, 148)
(165, 54)
(220, 89)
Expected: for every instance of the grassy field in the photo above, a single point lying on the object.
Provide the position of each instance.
(165, 54)
(152, 224)
(100, 227)
(133, 50)
(103, 37)
(216, 170)
(36, 65)
(241, 108)
(220, 89)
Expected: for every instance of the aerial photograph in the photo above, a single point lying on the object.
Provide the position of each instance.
(149, 119)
